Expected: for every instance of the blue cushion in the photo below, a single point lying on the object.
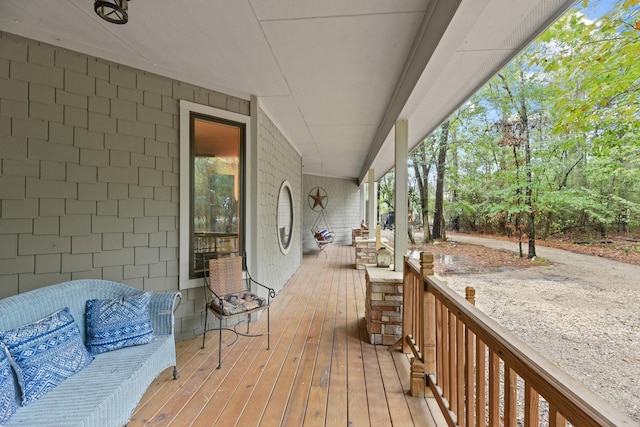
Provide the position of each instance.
(325, 233)
(118, 323)
(8, 398)
(45, 353)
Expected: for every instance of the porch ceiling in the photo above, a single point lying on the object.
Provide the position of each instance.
(333, 75)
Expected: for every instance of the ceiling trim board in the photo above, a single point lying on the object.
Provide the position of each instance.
(434, 25)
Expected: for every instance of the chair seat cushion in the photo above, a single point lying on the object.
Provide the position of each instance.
(238, 303)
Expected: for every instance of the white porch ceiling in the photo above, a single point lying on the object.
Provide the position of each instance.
(333, 75)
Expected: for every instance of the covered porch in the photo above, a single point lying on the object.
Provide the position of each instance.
(320, 370)
(453, 366)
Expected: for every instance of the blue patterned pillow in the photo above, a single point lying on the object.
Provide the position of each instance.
(118, 323)
(45, 353)
(8, 401)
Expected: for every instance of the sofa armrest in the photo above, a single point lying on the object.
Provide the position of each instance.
(161, 309)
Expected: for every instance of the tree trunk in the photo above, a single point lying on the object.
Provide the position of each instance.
(524, 136)
(455, 220)
(518, 229)
(531, 215)
(410, 226)
(421, 168)
(438, 215)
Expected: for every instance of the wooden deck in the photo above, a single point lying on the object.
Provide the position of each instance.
(321, 369)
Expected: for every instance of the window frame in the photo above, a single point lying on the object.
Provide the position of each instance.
(186, 174)
(285, 194)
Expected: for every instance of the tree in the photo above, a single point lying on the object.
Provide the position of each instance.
(438, 214)
(422, 159)
(595, 78)
(518, 136)
(551, 143)
(386, 190)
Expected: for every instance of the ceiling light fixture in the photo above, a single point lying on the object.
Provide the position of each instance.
(114, 11)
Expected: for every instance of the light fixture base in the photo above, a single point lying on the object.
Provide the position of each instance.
(114, 11)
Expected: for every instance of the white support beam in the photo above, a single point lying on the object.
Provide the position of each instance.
(363, 203)
(401, 201)
(373, 205)
(436, 19)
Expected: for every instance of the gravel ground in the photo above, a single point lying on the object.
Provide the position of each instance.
(581, 312)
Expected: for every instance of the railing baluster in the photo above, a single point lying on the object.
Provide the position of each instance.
(453, 367)
(439, 345)
(481, 383)
(510, 396)
(531, 406)
(469, 378)
(460, 364)
(446, 372)
(494, 389)
(555, 418)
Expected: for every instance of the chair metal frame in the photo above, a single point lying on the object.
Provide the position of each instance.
(225, 274)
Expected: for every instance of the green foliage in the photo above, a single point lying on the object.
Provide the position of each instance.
(574, 97)
(554, 136)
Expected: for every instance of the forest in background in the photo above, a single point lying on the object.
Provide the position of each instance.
(550, 145)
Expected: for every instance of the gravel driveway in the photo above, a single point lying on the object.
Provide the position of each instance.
(581, 312)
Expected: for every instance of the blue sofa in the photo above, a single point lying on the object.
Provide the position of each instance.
(107, 391)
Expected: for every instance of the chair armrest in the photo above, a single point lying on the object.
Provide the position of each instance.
(161, 311)
(272, 292)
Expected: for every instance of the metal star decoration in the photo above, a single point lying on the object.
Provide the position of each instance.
(318, 199)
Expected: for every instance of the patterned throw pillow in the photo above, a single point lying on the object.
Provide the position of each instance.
(45, 353)
(8, 401)
(118, 323)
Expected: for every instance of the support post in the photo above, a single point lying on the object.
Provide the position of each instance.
(429, 317)
(401, 207)
(408, 309)
(470, 294)
(363, 205)
(372, 202)
(418, 383)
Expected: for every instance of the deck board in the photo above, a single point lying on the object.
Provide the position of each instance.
(320, 370)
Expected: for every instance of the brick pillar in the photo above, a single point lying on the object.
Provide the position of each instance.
(383, 306)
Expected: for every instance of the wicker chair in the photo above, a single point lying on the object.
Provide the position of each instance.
(228, 294)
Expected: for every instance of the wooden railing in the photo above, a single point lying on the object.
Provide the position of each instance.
(481, 374)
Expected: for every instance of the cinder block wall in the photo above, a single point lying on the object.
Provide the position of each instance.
(89, 172)
(342, 211)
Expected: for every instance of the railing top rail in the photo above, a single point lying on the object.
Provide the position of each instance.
(576, 402)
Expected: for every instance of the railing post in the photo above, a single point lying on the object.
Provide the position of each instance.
(429, 319)
(418, 384)
(470, 294)
(407, 306)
